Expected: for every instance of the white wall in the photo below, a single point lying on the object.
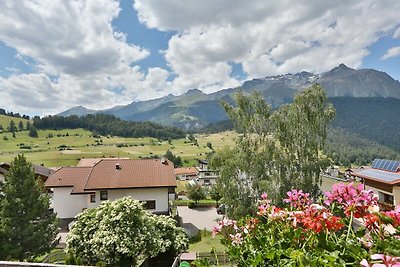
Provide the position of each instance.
(160, 195)
(67, 205)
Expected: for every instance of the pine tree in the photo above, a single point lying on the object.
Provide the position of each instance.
(33, 132)
(28, 125)
(11, 127)
(27, 227)
(20, 126)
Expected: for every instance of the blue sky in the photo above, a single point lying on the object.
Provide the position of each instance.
(102, 53)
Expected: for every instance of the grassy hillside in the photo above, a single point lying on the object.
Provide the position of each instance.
(66, 147)
(5, 121)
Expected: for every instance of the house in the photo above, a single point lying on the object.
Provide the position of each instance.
(77, 188)
(41, 172)
(187, 173)
(383, 178)
(205, 176)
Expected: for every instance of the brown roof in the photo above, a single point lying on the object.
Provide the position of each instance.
(187, 170)
(90, 162)
(74, 177)
(38, 169)
(132, 174)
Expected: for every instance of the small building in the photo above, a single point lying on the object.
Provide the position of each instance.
(383, 178)
(41, 172)
(77, 188)
(205, 176)
(186, 173)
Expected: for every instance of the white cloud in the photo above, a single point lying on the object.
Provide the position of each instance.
(77, 57)
(266, 38)
(70, 37)
(396, 33)
(392, 52)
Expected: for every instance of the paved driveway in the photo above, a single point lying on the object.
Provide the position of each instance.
(197, 219)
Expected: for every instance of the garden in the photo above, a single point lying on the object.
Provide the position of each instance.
(320, 232)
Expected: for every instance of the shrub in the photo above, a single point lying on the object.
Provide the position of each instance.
(192, 205)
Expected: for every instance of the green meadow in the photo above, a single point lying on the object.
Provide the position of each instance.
(66, 147)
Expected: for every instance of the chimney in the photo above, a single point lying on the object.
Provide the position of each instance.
(117, 166)
(163, 161)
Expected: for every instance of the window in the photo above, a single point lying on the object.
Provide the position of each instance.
(103, 195)
(149, 204)
(206, 181)
(92, 198)
(171, 190)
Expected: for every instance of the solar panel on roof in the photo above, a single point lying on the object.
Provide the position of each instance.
(383, 162)
(391, 166)
(396, 166)
(375, 163)
(386, 165)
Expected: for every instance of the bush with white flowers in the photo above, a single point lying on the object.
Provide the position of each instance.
(122, 233)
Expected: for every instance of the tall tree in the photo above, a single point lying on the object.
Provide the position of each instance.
(275, 150)
(20, 126)
(33, 132)
(11, 127)
(27, 227)
(195, 192)
(28, 125)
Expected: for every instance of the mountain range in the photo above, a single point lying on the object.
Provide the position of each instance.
(196, 109)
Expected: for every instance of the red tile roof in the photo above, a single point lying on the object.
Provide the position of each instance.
(132, 174)
(187, 170)
(74, 177)
(90, 162)
(142, 173)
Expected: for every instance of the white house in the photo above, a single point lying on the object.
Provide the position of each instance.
(205, 176)
(77, 188)
(186, 173)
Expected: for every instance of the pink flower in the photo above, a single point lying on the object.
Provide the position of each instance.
(297, 199)
(352, 199)
(264, 196)
(236, 239)
(387, 261)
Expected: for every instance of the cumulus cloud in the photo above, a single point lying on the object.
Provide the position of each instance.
(392, 52)
(77, 56)
(266, 38)
(396, 33)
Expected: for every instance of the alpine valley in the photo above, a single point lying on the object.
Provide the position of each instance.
(367, 103)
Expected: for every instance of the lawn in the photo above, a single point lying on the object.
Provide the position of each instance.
(207, 243)
(67, 147)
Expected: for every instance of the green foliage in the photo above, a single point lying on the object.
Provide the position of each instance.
(209, 145)
(33, 132)
(20, 126)
(11, 127)
(122, 233)
(28, 125)
(28, 229)
(109, 125)
(346, 148)
(276, 150)
(176, 160)
(216, 193)
(373, 118)
(195, 192)
(313, 234)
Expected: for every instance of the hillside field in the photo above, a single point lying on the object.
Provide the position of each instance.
(67, 147)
